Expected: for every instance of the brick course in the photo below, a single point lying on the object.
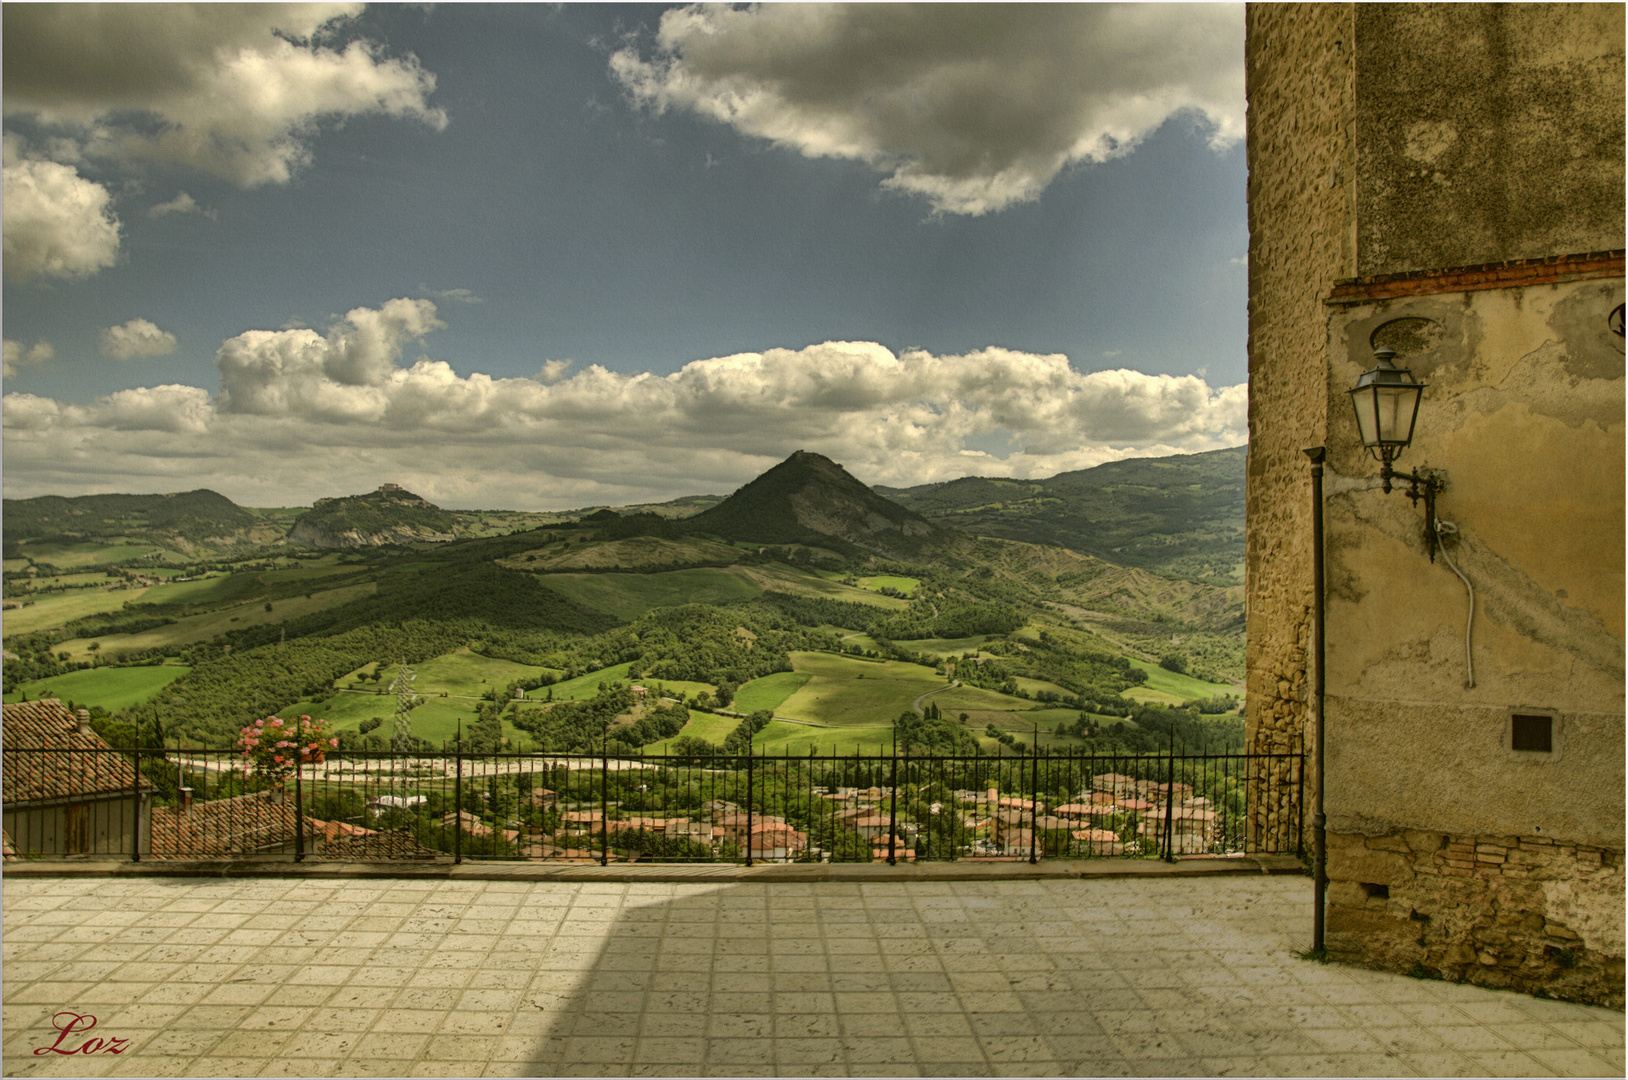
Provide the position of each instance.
(1473, 909)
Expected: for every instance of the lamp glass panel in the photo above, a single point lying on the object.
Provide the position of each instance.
(1395, 407)
(1367, 415)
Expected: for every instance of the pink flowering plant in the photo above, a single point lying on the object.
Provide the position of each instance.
(273, 748)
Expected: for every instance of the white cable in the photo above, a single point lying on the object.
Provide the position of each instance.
(1444, 528)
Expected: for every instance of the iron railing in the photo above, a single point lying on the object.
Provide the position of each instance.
(455, 804)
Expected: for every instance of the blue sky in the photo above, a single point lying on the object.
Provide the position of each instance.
(544, 257)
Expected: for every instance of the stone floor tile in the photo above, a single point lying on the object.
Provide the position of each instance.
(1508, 1063)
(1590, 1033)
(1577, 1062)
(379, 1067)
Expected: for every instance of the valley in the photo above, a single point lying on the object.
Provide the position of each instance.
(804, 612)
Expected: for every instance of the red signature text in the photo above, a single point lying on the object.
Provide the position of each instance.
(71, 1023)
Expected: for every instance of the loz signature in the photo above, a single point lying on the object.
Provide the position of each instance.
(71, 1023)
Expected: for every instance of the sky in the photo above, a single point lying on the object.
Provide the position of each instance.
(546, 257)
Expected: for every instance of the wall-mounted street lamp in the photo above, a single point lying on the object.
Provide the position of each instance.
(1387, 404)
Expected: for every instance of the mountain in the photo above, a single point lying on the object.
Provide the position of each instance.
(185, 521)
(391, 515)
(810, 499)
(1181, 516)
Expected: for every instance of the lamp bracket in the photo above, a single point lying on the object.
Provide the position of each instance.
(1423, 484)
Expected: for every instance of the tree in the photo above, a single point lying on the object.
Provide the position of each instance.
(1174, 662)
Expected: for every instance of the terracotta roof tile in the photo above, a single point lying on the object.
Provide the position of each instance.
(31, 730)
(238, 826)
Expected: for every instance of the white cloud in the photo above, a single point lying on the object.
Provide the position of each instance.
(136, 338)
(302, 415)
(234, 90)
(15, 357)
(554, 370)
(54, 222)
(973, 106)
(181, 204)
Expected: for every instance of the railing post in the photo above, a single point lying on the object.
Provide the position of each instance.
(135, 826)
(893, 809)
(458, 796)
(748, 803)
(1034, 797)
(604, 800)
(1170, 800)
(299, 810)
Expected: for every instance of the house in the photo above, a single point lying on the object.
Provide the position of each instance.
(1097, 841)
(1114, 783)
(262, 823)
(1436, 196)
(1192, 829)
(381, 803)
(65, 791)
(777, 841)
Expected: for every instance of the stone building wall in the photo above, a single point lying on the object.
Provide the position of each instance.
(1298, 75)
(1517, 912)
(1386, 208)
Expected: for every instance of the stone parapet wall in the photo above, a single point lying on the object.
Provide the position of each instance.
(1525, 913)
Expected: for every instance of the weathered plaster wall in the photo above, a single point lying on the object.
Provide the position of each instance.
(1487, 132)
(1450, 852)
(1524, 413)
(1301, 240)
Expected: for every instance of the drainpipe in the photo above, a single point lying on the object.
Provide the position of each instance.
(1319, 822)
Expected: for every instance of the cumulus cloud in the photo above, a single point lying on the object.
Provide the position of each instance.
(136, 338)
(15, 357)
(973, 106)
(54, 222)
(301, 415)
(234, 90)
(181, 204)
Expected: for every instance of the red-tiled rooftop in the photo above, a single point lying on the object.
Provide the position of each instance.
(31, 729)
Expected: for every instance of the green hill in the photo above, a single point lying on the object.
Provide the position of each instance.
(1182, 516)
(809, 499)
(392, 515)
(187, 520)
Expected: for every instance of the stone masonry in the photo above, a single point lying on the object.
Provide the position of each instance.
(1523, 913)
(1300, 79)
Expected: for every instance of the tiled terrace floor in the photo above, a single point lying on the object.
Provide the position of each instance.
(1113, 977)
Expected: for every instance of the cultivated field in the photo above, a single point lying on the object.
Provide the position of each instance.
(108, 688)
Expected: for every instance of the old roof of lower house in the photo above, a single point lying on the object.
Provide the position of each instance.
(47, 757)
(238, 826)
(399, 843)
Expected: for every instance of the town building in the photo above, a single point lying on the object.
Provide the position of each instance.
(1444, 183)
(65, 791)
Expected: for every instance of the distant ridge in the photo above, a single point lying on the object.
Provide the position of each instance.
(392, 515)
(1181, 516)
(810, 499)
(181, 520)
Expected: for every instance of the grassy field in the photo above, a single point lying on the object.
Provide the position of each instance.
(463, 674)
(203, 627)
(845, 691)
(27, 586)
(90, 553)
(110, 688)
(55, 609)
(782, 738)
(703, 725)
(906, 585)
(944, 646)
(1168, 688)
(435, 719)
(769, 691)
